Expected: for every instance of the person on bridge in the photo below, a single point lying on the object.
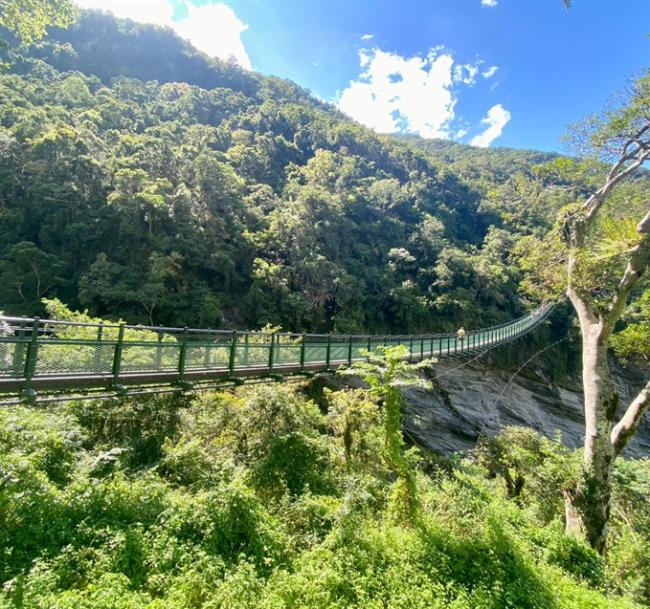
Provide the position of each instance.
(461, 335)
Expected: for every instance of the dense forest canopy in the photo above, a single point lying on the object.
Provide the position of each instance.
(141, 179)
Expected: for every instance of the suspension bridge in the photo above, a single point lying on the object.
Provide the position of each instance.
(51, 360)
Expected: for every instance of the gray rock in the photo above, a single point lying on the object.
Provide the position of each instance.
(472, 400)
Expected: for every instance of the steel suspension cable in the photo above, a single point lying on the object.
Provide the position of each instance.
(494, 404)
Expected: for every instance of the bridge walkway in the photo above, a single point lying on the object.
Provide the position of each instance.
(45, 356)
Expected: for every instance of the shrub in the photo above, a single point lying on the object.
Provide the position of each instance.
(50, 439)
(141, 425)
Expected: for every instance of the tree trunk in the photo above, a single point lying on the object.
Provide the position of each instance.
(590, 501)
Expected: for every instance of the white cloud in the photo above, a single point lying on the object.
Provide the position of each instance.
(395, 93)
(214, 29)
(490, 72)
(490, 3)
(367, 37)
(465, 73)
(496, 119)
(410, 94)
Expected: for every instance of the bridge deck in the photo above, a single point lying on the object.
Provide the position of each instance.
(49, 355)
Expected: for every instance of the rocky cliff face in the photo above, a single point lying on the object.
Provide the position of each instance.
(474, 399)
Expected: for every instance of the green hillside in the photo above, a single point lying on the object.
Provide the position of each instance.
(143, 180)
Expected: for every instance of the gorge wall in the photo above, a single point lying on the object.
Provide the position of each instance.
(465, 402)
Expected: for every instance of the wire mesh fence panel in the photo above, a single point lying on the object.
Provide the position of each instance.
(252, 355)
(73, 357)
(12, 356)
(152, 356)
(376, 347)
(359, 349)
(287, 353)
(338, 352)
(214, 355)
(315, 352)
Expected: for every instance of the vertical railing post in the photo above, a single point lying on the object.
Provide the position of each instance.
(422, 347)
(411, 348)
(245, 358)
(206, 355)
(182, 356)
(448, 345)
(98, 347)
(271, 354)
(328, 352)
(369, 346)
(30, 360)
(158, 360)
(19, 350)
(117, 356)
(350, 351)
(233, 353)
(302, 351)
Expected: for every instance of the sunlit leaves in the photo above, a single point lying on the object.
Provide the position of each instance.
(29, 19)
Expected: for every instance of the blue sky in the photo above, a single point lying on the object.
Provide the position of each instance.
(488, 72)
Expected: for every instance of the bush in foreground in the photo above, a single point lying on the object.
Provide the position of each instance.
(256, 499)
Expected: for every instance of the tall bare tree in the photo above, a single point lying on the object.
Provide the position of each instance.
(599, 287)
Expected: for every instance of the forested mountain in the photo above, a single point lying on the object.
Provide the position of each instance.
(141, 179)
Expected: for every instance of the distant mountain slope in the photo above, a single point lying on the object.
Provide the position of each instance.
(102, 46)
(142, 179)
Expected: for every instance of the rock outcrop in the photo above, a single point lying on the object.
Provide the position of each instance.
(473, 400)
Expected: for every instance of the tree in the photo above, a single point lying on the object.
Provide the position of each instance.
(606, 252)
(386, 374)
(27, 273)
(29, 19)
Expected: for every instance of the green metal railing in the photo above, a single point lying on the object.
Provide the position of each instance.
(54, 355)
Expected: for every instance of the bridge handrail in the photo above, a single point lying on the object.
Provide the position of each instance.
(49, 354)
(27, 323)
